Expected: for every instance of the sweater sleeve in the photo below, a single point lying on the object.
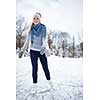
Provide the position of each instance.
(26, 43)
(44, 42)
(44, 36)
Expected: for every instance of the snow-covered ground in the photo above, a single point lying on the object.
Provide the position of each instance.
(66, 74)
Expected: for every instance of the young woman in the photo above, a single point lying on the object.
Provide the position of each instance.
(37, 50)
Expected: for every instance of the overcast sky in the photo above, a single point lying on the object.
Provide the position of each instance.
(64, 15)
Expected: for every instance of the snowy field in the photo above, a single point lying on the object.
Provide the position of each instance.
(66, 74)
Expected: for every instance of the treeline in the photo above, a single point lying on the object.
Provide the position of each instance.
(59, 43)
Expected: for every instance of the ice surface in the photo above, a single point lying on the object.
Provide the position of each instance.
(66, 74)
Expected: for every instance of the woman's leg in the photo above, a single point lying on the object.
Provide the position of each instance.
(44, 63)
(34, 61)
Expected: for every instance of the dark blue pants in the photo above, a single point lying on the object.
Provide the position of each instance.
(34, 55)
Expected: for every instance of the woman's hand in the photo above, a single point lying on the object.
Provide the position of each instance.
(21, 53)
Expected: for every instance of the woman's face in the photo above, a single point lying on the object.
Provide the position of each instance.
(36, 20)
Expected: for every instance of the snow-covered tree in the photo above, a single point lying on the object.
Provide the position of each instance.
(58, 42)
(21, 28)
(50, 41)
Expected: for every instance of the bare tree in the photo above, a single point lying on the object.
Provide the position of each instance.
(73, 47)
(21, 28)
(50, 41)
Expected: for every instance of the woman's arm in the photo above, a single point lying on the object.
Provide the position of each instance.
(44, 38)
(44, 42)
(27, 41)
(25, 44)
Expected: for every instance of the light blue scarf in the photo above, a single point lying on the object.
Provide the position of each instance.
(38, 29)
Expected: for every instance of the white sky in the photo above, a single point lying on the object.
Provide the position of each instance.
(64, 15)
